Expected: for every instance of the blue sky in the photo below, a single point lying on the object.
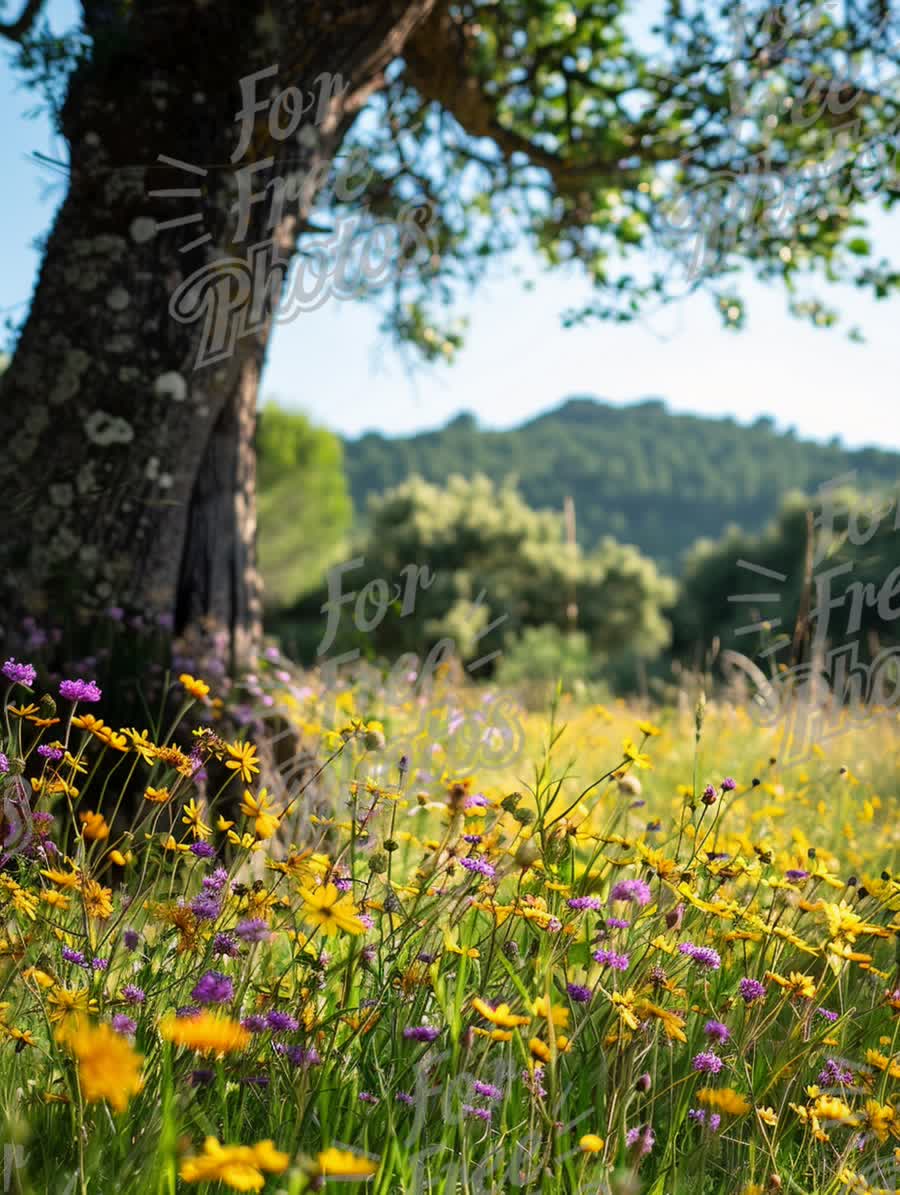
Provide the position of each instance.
(518, 359)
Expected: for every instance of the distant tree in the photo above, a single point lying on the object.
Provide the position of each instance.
(487, 566)
(305, 510)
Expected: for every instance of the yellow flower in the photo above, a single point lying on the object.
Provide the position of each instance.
(331, 910)
(500, 1015)
(65, 879)
(559, 1014)
(67, 1002)
(725, 1099)
(767, 1116)
(95, 827)
(196, 688)
(108, 1066)
(41, 978)
(590, 1143)
(240, 1167)
(193, 817)
(639, 758)
(798, 985)
(157, 796)
(242, 759)
(340, 1163)
(97, 900)
(141, 743)
(623, 1003)
(260, 809)
(207, 1033)
(451, 944)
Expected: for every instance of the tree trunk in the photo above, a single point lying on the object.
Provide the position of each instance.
(129, 474)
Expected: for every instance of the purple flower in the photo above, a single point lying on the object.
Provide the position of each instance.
(617, 923)
(52, 753)
(585, 902)
(131, 938)
(714, 1121)
(133, 994)
(707, 1063)
(206, 907)
(697, 1115)
(100, 964)
(481, 866)
(73, 956)
(200, 1078)
(729, 784)
(79, 690)
(202, 850)
(553, 926)
(216, 880)
(476, 801)
(579, 993)
(709, 793)
(717, 1031)
(281, 1022)
(225, 944)
(213, 988)
(472, 839)
(19, 674)
(704, 956)
(479, 1113)
(833, 1075)
(421, 1033)
(609, 958)
(4, 762)
(487, 1090)
(187, 1010)
(255, 1023)
(636, 890)
(642, 1140)
(827, 1014)
(796, 874)
(751, 989)
(253, 930)
(123, 1024)
(403, 1098)
(366, 1097)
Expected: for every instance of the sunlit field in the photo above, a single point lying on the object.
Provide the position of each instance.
(454, 946)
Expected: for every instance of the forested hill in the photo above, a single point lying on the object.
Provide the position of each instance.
(640, 473)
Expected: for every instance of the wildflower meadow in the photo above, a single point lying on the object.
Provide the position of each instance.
(637, 954)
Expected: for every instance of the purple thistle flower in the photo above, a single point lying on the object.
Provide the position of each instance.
(533, 1081)
(366, 1097)
(796, 874)
(705, 956)
(479, 1113)
(617, 923)
(579, 993)
(472, 839)
(216, 880)
(4, 762)
(481, 866)
(709, 793)
(487, 1090)
(729, 784)
(225, 945)
(213, 988)
(54, 754)
(609, 958)
(707, 1063)
(827, 1014)
(421, 1033)
(751, 989)
(79, 690)
(132, 939)
(553, 926)
(73, 956)
(403, 1097)
(206, 907)
(833, 1075)
(188, 1010)
(253, 930)
(132, 994)
(123, 1024)
(255, 1023)
(19, 674)
(717, 1031)
(281, 1022)
(580, 903)
(714, 1121)
(642, 1140)
(99, 964)
(634, 890)
(203, 850)
(697, 1115)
